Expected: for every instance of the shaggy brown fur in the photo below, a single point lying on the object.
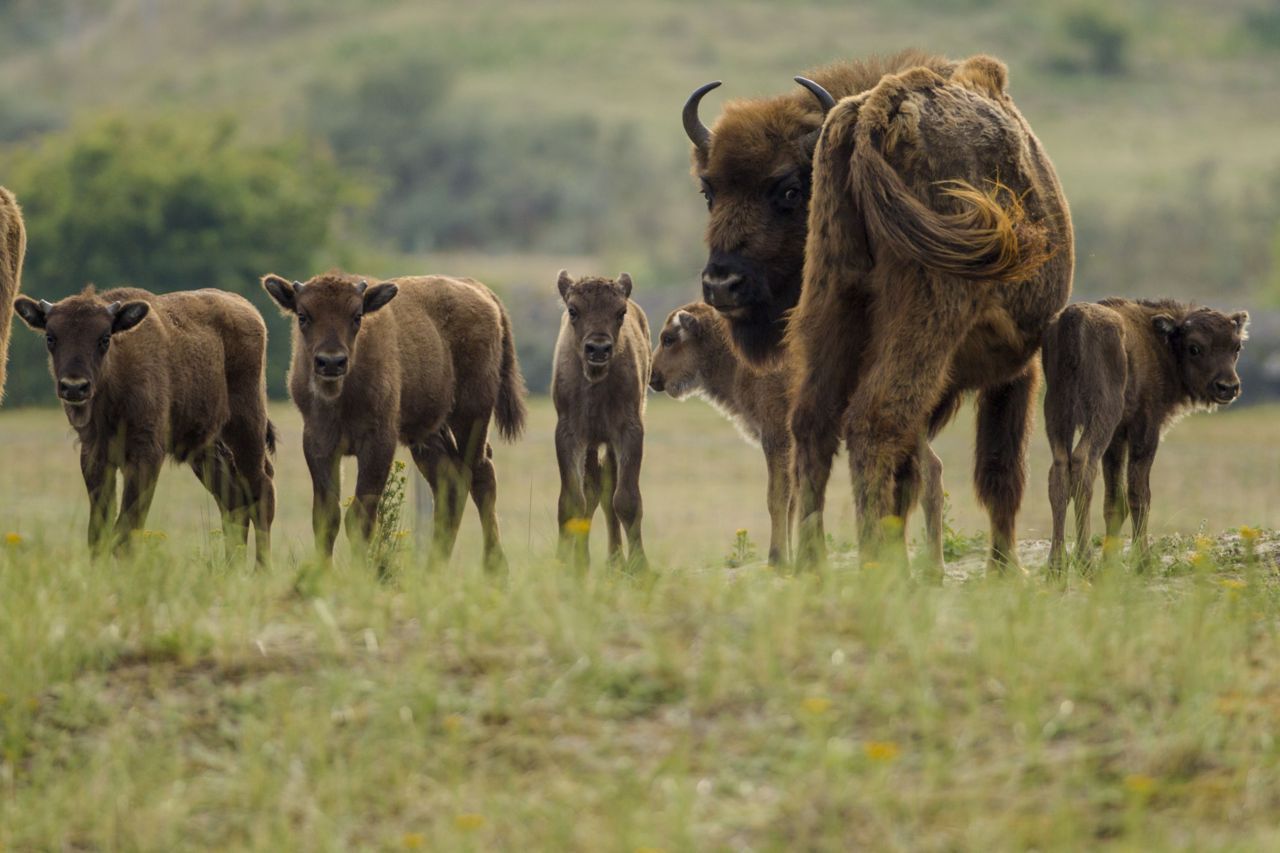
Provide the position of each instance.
(918, 288)
(143, 376)
(695, 356)
(598, 385)
(426, 361)
(13, 248)
(1119, 372)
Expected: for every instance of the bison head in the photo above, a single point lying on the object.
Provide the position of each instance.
(1206, 346)
(681, 354)
(78, 332)
(754, 168)
(329, 311)
(596, 308)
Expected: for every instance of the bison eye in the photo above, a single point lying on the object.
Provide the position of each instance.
(573, 313)
(622, 314)
(1195, 350)
(303, 320)
(104, 342)
(707, 193)
(355, 321)
(50, 341)
(668, 340)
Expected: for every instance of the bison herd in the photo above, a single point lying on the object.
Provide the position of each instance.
(883, 241)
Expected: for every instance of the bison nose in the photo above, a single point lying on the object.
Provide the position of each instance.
(721, 288)
(331, 365)
(1226, 390)
(656, 382)
(598, 352)
(73, 390)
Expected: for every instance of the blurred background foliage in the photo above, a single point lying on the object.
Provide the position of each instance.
(202, 144)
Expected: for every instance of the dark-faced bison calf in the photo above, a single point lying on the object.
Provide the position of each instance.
(598, 385)
(426, 361)
(695, 355)
(1119, 372)
(143, 376)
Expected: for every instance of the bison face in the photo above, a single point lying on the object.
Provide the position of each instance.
(596, 308)
(754, 170)
(78, 333)
(329, 312)
(1206, 347)
(678, 358)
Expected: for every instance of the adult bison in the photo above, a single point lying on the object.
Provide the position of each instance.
(899, 229)
(13, 247)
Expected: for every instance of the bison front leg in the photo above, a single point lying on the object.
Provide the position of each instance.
(932, 499)
(1000, 464)
(1141, 456)
(142, 471)
(574, 523)
(100, 481)
(324, 462)
(373, 461)
(626, 496)
(779, 463)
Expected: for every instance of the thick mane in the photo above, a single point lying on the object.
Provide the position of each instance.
(851, 77)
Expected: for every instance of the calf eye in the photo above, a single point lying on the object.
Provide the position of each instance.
(1194, 349)
(573, 313)
(104, 342)
(50, 341)
(622, 314)
(303, 320)
(355, 321)
(668, 340)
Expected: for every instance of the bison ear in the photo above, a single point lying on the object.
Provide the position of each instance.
(379, 295)
(1163, 324)
(624, 282)
(282, 291)
(125, 317)
(563, 282)
(33, 313)
(687, 321)
(1241, 319)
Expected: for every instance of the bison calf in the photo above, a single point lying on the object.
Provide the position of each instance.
(426, 361)
(143, 376)
(695, 355)
(1119, 372)
(598, 384)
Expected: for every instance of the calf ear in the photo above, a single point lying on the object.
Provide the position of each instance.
(1241, 319)
(33, 313)
(624, 282)
(1163, 324)
(282, 291)
(125, 317)
(563, 282)
(379, 295)
(687, 321)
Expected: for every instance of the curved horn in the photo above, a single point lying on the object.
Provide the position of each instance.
(362, 286)
(46, 306)
(697, 132)
(824, 97)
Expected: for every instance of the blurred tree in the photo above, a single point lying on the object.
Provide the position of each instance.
(165, 205)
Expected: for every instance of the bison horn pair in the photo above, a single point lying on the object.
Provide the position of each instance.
(700, 135)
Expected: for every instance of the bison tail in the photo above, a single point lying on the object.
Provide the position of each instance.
(273, 436)
(990, 238)
(510, 410)
(13, 247)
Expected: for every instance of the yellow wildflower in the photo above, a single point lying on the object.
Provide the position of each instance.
(816, 704)
(1139, 783)
(413, 840)
(469, 822)
(741, 531)
(578, 526)
(1249, 534)
(1203, 543)
(881, 750)
(1232, 583)
(12, 538)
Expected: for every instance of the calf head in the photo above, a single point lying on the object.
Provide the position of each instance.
(329, 309)
(1206, 346)
(78, 332)
(681, 350)
(596, 308)
(754, 168)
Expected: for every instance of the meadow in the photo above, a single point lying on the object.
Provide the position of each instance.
(171, 702)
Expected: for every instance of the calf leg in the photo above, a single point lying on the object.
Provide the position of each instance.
(1142, 454)
(626, 495)
(214, 468)
(609, 485)
(478, 456)
(373, 467)
(1059, 495)
(246, 437)
(572, 511)
(100, 481)
(778, 461)
(1000, 469)
(324, 460)
(438, 461)
(1116, 506)
(142, 471)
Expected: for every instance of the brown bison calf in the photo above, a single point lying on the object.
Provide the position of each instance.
(144, 375)
(425, 360)
(13, 246)
(1119, 372)
(695, 355)
(598, 384)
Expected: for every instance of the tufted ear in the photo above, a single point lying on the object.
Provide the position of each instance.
(284, 293)
(1163, 324)
(125, 317)
(378, 295)
(564, 281)
(687, 322)
(33, 313)
(624, 282)
(1241, 319)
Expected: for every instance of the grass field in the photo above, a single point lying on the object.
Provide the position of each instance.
(167, 702)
